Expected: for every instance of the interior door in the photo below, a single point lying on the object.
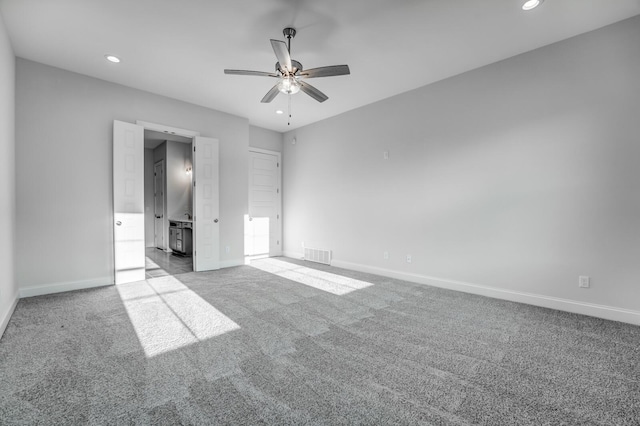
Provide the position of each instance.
(128, 202)
(206, 226)
(158, 188)
(264, 203)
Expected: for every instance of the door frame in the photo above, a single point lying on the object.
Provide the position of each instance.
(167, 129)
(278, 195)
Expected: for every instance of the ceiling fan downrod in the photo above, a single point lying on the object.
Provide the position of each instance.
(289, 33)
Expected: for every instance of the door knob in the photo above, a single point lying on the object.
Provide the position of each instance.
(215, 220)
(118, 223)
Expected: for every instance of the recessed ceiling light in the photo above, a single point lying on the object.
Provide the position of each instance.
(531, 4)
(279, 112)
(112, 58)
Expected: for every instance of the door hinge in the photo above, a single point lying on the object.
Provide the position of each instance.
(278, 191)
(194, 183)
(277, 164)
(278, 242)
(194, 149)
(278, 216)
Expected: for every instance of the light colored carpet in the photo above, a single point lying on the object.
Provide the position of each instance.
(245, 346)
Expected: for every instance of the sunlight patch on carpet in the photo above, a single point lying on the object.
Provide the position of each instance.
(325, 281)
(150, 264)
(167, 315)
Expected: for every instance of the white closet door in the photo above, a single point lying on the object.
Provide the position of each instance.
(128, 202)
(264, 203)
(206, 233)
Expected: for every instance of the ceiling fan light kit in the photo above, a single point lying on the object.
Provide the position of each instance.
(291, 73)
(289, 85)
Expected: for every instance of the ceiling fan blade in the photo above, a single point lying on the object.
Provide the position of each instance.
(256, 73)
(313, 92)
(271, 94)
(330, 71)
(282, 53)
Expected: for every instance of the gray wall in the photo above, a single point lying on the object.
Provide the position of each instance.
(64, 171)
(521, 175)
(8, 286)
(265, 139)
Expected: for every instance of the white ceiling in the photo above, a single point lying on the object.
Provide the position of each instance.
(180, 48)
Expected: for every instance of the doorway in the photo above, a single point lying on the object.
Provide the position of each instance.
(168, 204)
(200, 163)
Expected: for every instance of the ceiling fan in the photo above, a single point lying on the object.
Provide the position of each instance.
(290, 72)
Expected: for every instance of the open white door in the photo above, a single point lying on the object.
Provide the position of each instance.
(128, 202)
(206, 232)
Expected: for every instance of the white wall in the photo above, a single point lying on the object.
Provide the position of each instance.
(265, 139)
(178, 193)
(8, 285)
(520, 176)
(64, 172)
(149, 199)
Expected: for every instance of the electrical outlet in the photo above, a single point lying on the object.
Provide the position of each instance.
(227, 249)
(386, 255)
(385, 155)
(584, 281)
(408, 258)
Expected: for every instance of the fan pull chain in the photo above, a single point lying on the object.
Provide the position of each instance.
(289, 121)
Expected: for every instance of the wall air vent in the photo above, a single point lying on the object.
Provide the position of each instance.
(317, 255)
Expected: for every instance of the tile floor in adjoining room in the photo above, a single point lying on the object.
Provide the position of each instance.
(159, 263)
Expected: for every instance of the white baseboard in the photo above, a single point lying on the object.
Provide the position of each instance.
(7, 316)
(576, 307)
(230, 263)
(293, 255)
(64, 286)
(60, 287)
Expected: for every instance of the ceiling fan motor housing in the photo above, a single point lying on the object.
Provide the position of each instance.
(295, 65)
